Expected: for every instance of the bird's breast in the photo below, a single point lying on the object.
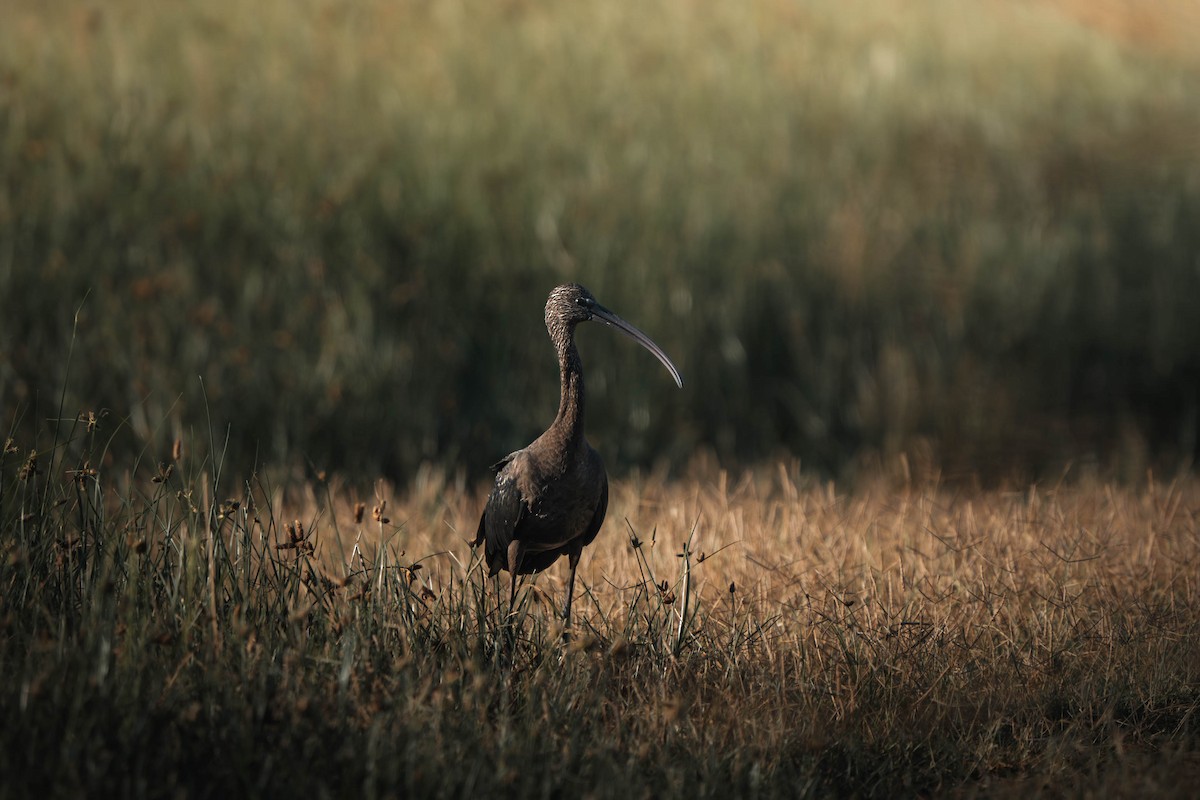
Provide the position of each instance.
(561, 501)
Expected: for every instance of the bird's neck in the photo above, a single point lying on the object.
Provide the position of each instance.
(569, 421)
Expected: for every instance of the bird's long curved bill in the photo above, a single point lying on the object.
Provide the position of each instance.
(604, 315)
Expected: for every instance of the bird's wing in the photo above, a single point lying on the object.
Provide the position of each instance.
(593, 527)
(481, 533)
(502, 463)
(504, 511)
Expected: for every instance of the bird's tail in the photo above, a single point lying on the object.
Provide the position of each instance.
(481, 534)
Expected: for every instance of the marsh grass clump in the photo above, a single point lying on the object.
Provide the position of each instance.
(169, 630)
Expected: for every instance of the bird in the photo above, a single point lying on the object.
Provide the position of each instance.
(549, 499)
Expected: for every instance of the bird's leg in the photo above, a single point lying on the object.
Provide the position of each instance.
(573, 557)
(516, 554)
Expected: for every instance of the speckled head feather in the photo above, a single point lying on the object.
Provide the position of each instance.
(567, 306)
(571, 304)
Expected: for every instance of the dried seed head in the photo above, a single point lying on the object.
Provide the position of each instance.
(359, 508)
(664, 591)
(30, 468)
(81, 474)
(297, 539)
(164, 472)
(177, 450)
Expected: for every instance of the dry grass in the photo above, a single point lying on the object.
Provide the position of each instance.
(167, 631)
(889, 639)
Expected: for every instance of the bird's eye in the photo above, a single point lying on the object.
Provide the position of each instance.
(586, 302)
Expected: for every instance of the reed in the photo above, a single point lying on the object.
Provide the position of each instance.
(960, 234)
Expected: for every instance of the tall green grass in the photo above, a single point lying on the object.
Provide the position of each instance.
(959, 233)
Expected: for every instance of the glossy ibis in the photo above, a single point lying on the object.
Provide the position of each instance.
(549, 499)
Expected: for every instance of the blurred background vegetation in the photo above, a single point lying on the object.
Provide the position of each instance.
(949, 235)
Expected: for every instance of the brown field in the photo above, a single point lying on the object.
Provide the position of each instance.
(933, 554)
(759, 633)
(890, 637)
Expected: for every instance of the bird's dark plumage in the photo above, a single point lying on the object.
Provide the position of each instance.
(552, 508)
(550, 498)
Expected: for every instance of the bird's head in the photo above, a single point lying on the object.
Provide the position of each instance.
(570, 304)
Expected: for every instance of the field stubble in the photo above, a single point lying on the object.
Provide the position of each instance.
(761, 633)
